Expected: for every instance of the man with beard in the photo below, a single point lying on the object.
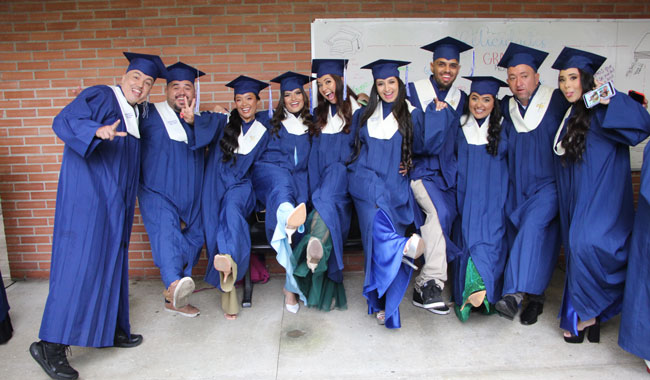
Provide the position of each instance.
(88, 303)
(433, 177)
(171, 184)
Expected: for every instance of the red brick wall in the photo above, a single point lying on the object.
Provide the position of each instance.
(49, 48)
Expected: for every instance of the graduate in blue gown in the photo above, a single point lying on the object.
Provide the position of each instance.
(592, 166)
(531, 117)
(319, 254)
(280, 176)
(634, 334)
(6, 329)
(171, 183)
(433, 178)
(379, 186)
(88, 303)
(482, 190)
(228, 197)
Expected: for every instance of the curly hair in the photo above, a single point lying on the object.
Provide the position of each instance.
(278, 116)
(229, 142)
(494, 128)
(344, 108)
(404, 123)
(574, 142)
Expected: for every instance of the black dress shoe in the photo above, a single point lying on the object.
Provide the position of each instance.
(507, 307)
(123, 341)
(530, 313)
(52, 358)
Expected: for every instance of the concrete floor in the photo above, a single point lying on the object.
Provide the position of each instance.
(266, 342)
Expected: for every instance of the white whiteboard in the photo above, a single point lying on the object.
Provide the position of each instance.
(625, 43)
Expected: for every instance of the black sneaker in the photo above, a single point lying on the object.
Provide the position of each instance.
(52, 358)
(430, 297)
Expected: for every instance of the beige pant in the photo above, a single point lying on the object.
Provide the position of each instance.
(435, 247)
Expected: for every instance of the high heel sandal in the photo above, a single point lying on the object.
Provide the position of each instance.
(593, 335)
(295, 220)
(592, 332)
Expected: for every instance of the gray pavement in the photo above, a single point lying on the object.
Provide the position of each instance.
(267, 342)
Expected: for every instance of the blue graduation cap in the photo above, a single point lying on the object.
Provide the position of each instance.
(517, 54)
(484, 85)
(384, 68)
(322, 67)
(181, 71)
(579, 59)
(243, 84)
(289, 81)
(149, 64)
(447, 48)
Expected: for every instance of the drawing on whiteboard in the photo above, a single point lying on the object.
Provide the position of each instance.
(344, 42)
(642, 51)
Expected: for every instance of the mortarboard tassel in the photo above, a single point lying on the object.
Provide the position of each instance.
(311, 99)
(270, 103)
(198, 93)
(406, 81)
(345, 83)
(473, 63)
(145, 108)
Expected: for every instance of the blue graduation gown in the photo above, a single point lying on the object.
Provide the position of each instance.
(597, 211)
(170, 192)
(328, 188)
(434, 161)
(374, 182)
(6, 330)
(95, 202)
(634, 335)
(441, 95)
(481, 228)
(227, 201)
(531, 207)
(280, 174)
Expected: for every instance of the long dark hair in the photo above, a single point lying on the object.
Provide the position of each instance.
(278, 116)
(228, 142)
(404, 122)
(344, 108)
(578, 125)
(494, 126)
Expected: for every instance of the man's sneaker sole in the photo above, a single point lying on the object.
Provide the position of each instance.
(428, 306)
(440, 311)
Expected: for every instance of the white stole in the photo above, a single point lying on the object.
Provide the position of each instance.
(380, 128)
(334, 123)
(173, 125)
(534, 112)
(293, 124)
(475, 134)
(557, 143)
(426, 94)
(248, 141)
(129, 113)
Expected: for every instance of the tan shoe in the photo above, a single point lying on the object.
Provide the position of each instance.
(186, 311)
(295, 220)
(314, 253)
(179, 292)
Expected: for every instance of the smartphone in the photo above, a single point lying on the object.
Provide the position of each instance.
(638, 96)
(593, 97)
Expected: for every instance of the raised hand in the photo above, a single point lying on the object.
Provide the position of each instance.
(187, 112)
(440, 105)
(219, 109)
(108, 132)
